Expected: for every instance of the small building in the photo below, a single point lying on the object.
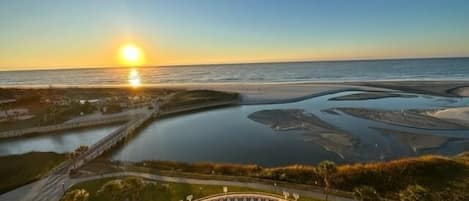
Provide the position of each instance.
(91, 101)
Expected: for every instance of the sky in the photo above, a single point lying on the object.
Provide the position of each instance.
(89, 33)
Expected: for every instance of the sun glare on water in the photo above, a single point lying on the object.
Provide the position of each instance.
(134, 78)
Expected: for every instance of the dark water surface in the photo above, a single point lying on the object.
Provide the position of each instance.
(228, 135)
(59, 142)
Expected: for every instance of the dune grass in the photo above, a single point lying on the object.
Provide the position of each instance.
(438, 174)
(195, 97)
(17, 170)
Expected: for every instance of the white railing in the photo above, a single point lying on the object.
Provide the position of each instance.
(242, 196)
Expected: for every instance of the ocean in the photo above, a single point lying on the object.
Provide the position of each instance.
(325, 71)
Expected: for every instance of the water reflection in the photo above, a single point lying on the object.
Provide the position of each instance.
(134, 78)
(228, 135)
(59, 142)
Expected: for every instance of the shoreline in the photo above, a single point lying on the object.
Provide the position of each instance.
(273, 92)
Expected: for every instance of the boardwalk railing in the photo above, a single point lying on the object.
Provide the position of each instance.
(110, 140)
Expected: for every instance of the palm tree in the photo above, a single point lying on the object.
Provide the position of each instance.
(78, 151)
(76, 195)
(414, 193)
(365, 193)
(326, 169)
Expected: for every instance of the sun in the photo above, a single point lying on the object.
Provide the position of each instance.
(131, 55)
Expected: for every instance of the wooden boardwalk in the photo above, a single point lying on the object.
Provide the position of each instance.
(57, 182)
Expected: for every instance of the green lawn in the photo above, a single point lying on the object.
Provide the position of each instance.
(164, 191)
(17, 170)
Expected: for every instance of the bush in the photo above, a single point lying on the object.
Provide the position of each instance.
(441, 175)
(365, 193)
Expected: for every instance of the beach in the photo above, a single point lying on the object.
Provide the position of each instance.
(261, 93)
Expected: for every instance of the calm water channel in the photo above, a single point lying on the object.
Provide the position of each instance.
(228, 135)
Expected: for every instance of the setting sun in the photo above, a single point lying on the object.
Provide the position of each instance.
(131, 55)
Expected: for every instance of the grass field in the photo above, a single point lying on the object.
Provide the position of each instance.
(164, 191)
(17, 170)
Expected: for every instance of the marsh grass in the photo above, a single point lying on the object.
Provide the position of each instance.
(17, 170)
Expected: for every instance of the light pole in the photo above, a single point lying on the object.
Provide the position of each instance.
(225, 190)
(63, 187)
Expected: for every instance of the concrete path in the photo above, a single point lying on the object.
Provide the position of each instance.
(240, 196)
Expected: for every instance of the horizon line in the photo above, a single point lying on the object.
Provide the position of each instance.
(229, 63)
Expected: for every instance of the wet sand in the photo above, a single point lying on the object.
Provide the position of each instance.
(458, 114)
(407, 118)
(371, 95)
(262, 93)
(416, 141)
(316, 130)
(461, 91)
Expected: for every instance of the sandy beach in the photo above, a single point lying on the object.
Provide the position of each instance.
(258, 93)
(459, 114)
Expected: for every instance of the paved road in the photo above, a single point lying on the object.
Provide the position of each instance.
(313, 194)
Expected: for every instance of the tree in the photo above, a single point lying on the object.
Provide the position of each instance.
(365, 193)
(133, 188)
(129, 189)
(326, 169)
(414, 193)
(76, 195)
(78, 151)
(114, 189)
(51, 114)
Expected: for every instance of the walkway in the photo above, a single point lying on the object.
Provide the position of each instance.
(243, 196)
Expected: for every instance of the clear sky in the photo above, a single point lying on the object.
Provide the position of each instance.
(62, 33)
